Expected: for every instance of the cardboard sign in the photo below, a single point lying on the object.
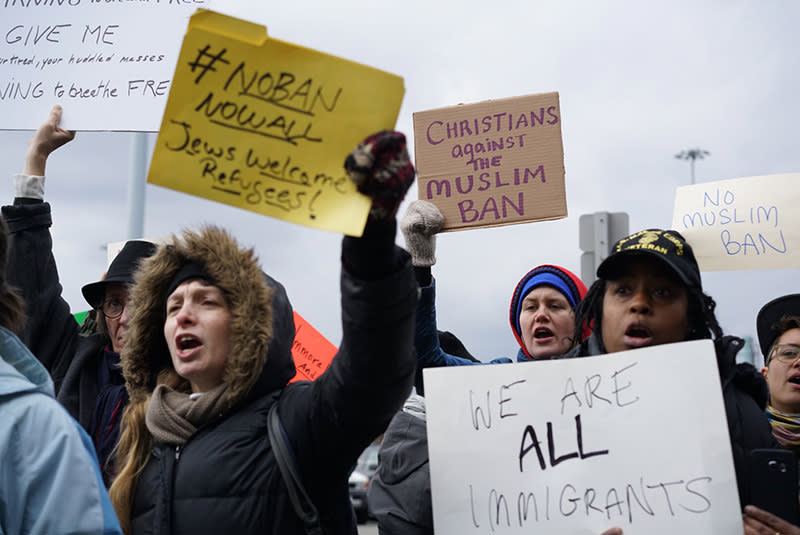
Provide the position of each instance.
(109, 64)
(581, 445)
(497, 162)
(266, 125)
(312, 352)
(744, 223)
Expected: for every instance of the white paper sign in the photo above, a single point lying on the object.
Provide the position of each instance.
(109, 63)
(744, 223)
(636, 439)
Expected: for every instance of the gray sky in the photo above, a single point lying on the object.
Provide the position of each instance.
(638, 82)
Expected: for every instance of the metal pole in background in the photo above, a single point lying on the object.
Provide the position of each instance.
(692, 155)
(596, 234)
(136, 185)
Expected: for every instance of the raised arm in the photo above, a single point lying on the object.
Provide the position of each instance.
(372, 374)
(420, 224)
(47, 139)
(50, 331)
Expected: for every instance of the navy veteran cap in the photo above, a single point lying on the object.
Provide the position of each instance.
(770, 314)
(666, 245)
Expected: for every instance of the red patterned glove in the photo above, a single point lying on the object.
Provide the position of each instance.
(381, 169)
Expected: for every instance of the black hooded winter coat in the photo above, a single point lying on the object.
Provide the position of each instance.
(224, 479)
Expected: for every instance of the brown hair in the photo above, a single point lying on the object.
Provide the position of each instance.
(133, 449)
(146, 360)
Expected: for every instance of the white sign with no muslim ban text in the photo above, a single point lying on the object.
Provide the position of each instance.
(581, 445)
(743, 223)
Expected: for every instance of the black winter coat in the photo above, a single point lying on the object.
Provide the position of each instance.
(51, 332)
(224, 478)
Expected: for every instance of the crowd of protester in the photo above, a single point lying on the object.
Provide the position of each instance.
(170, 411)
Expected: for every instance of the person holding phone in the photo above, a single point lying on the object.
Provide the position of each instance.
(759, 522)
(778, 327)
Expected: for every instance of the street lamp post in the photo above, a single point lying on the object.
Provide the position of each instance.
(692, 155)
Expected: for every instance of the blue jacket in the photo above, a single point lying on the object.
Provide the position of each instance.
(426, 340)
(50, 481)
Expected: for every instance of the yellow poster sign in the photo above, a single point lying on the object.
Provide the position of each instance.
(265, 125)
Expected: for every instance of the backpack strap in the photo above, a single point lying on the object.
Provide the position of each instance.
(284, 456)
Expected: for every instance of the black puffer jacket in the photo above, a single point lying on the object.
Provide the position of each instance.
(224, 478)
(51, 332)
(744, 393)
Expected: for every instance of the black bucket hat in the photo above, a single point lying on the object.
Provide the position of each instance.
(121, 270)
(770, 314)
(666, 245)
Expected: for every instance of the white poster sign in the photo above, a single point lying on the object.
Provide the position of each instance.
(636, 439)
(743, 223)
(109, 63)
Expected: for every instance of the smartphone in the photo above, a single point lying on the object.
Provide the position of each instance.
(773, 482)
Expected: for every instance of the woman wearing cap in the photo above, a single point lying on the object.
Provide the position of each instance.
(648, 292)
(778, 326)
(541, 313)
(209, 353)
(85, 369)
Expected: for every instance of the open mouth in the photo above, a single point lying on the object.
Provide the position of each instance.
(187, 342)
(795, 380)
(542, 332)
(638, 335)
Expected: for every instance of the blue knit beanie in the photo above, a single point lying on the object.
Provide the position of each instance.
(557, 277)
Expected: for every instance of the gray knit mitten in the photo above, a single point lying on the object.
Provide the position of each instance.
(420, 224)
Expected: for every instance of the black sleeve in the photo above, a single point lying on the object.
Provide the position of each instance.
(50, 330)
(333, 420)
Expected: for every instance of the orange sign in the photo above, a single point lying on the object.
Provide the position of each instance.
(311, 351)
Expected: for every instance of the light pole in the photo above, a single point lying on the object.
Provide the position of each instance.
(692, 155)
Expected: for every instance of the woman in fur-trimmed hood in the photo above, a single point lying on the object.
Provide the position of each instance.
(209, 354)
(214, 256)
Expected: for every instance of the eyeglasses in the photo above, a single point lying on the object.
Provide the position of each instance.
(786, 353)
(113, 307)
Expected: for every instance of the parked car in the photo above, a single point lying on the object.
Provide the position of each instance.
(359, 481)
(368, 460)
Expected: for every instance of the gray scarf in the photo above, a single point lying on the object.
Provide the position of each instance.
(173, 417)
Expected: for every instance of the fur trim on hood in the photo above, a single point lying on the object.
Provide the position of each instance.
(262, 324)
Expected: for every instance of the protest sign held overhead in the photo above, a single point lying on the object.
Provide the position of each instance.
(743, 223)
(492, 163)
(109, 64)
(265, 125)
(581, 445)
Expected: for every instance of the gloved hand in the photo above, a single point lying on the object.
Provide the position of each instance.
(381, 169)
(420, 224)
